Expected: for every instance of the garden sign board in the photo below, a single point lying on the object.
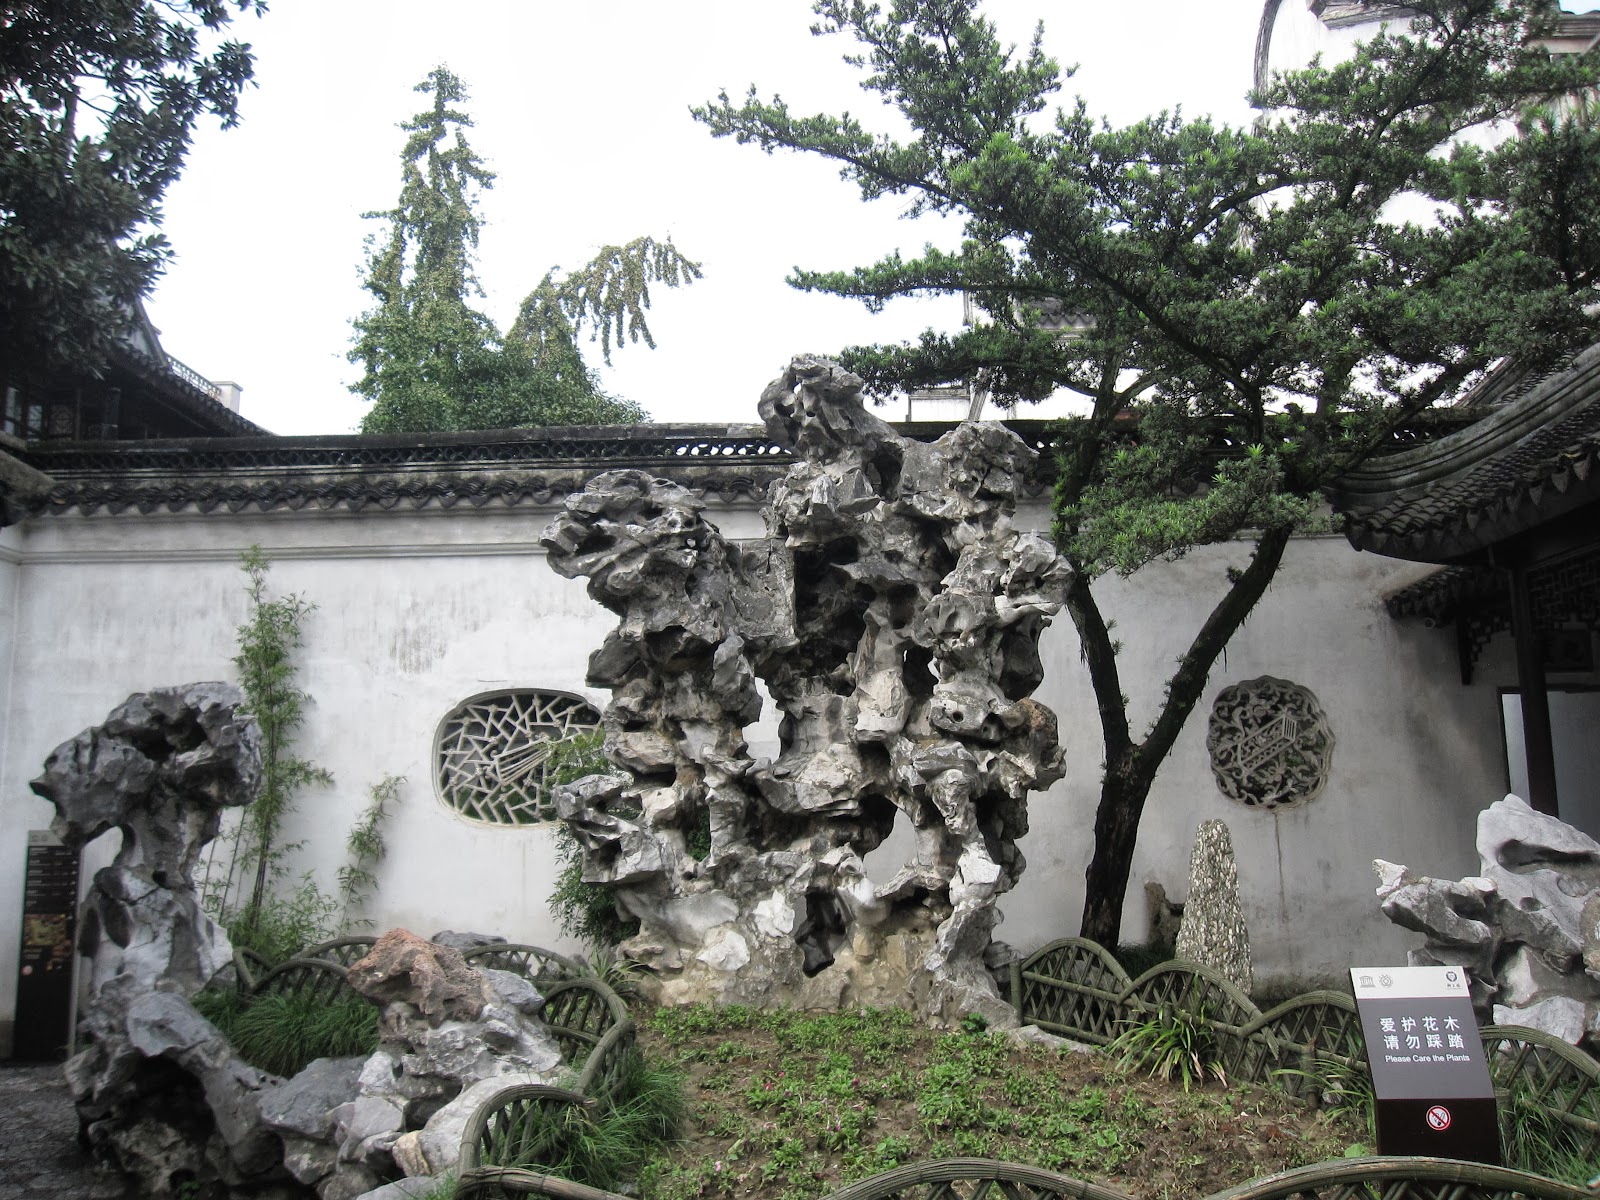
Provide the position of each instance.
(1430, 1078)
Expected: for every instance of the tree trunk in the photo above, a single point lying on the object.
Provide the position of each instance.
(1116, 831)
(1131, 769)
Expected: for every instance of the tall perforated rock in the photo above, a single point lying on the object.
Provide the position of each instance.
(159, 1091)
(893, 614)
(1213, 930)
(1527, 926)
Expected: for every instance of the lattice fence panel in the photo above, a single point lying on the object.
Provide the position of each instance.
(1073, 988)
(311, 978)
(527, 1125)
(1403, 1179)
(533, 963)
(344, 951)
(1545, 1083)
(1314, 1034)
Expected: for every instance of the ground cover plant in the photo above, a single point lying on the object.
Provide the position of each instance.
(789, 1105)
(283, 1032)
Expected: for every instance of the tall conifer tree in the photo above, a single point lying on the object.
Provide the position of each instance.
(431, 359)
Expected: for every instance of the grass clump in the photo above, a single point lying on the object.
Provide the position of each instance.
(1174, 1044)
(282, 1033)
(609, 1148)
(1534, 1140)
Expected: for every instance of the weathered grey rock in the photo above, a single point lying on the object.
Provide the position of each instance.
(1527, 927)
(304, 1105)
(446, 1027)
(516, 991)
(466, 941)
(159, 1091)
(1213, 930)
(893, 613)
(402, 1189)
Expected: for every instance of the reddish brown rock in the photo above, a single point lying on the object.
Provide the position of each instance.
(433, 979)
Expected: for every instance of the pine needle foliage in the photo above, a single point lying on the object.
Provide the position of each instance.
(431, 359)
(100, 104)
(1248, 296)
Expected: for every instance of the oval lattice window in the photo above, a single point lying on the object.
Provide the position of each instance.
(1270, 743)
(493, 751)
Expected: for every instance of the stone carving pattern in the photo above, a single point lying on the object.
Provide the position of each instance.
(1270, 743)
(893, 613)
(493, 752)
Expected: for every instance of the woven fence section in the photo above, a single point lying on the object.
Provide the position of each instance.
(1075, 989)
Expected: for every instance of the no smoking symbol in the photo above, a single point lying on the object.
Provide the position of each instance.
(1438, 1118)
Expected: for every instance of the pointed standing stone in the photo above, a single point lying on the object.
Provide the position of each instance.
(1213, 930)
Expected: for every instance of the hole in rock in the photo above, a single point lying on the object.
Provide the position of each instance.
(762, 736)
(894, 852)
(821, 932)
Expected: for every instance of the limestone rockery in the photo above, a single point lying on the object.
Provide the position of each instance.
(893, 613)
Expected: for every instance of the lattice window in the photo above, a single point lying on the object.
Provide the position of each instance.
(1270, 743)
(493, 752)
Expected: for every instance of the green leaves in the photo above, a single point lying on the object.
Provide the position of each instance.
(432, 361)
(100, 100)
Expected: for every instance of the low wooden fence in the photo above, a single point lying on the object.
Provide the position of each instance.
(1074, 988)
(983, 1179)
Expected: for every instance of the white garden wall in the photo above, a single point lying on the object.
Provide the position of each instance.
(418, 610)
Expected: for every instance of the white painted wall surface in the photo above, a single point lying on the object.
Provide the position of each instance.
(418, 611)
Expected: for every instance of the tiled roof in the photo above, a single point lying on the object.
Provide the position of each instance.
(1530, 460)
(355, 471)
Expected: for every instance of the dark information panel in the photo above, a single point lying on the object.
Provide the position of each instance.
(44, 968)
(1429, 1075)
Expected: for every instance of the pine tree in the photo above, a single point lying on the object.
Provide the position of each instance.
(432, 360)
(1248, 295)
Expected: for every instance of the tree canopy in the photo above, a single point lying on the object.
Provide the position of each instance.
(98, 101)
(1256, 298)
(432, 360)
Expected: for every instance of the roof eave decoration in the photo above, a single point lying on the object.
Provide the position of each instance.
(353, 472)
(1526, 463)
(195, 403)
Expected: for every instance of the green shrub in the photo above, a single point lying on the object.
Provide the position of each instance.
(281, 926)
(281, 1034)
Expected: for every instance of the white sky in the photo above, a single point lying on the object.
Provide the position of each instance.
(581, 110)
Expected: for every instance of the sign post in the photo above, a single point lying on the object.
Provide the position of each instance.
(44, 967)
(1430, 1079)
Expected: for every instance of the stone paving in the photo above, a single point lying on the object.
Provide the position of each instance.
(40, 1158)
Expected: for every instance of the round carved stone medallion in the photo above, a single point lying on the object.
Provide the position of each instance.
(1270, 743)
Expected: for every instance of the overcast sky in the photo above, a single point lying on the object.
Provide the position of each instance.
(582, 111)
